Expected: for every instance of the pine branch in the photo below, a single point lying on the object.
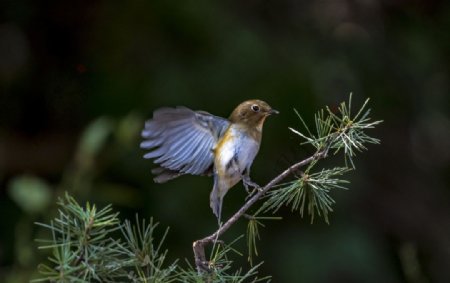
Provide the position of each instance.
(199, 245)
(83, 249)
(310, 191)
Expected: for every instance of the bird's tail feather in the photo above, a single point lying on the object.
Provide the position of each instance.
(215, 202)
(163, 175)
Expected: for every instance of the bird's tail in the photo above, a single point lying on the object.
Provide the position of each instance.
(163, 174)
(215, 201)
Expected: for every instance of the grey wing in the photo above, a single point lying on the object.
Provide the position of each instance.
(181, 141)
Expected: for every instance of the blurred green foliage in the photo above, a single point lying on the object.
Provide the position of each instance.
(32, 194)
(68, 68)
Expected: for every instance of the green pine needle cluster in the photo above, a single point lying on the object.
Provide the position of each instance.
(92, 245)
(254, 223)
(341, 130)
(310, 193)
(83, 249)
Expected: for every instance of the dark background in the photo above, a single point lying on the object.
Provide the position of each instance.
(77, 80)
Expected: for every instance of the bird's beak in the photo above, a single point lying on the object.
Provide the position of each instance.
(273, 111)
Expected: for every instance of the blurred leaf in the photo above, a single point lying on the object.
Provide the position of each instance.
(31, 193)
(129, 128)
(94, 137)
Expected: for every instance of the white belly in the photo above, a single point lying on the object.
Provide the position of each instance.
(235, 154)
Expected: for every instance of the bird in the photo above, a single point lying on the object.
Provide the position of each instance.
(183, 141)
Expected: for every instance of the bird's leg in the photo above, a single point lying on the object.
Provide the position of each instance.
(249, 183)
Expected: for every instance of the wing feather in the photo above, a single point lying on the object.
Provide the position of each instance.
(181, 141)
(179, 152)
(189, 152)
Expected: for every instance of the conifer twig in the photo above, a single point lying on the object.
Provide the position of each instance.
(199, 245)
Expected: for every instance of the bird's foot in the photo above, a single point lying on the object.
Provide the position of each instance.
(249, 183)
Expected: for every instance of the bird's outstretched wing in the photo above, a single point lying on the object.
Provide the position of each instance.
(181, 141)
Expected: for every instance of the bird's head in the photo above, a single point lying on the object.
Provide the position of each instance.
(252, 113)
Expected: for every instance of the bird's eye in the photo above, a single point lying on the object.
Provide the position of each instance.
(255, 108)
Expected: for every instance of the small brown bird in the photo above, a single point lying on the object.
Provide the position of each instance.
(183, 141)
